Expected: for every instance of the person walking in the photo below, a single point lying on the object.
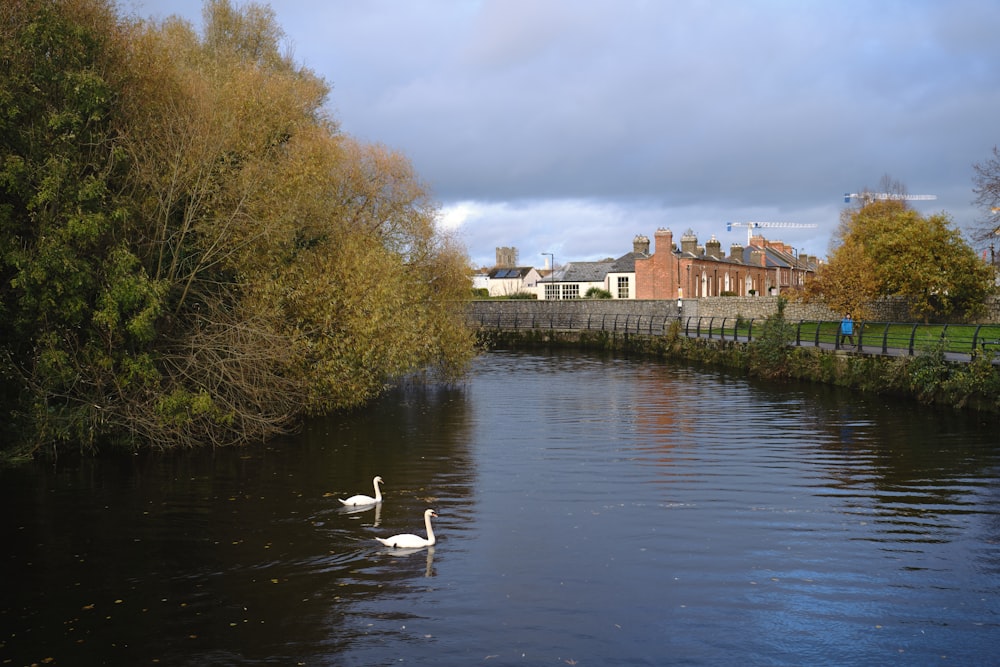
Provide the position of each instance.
(847, 329)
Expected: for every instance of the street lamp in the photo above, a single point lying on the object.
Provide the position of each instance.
(552, 268)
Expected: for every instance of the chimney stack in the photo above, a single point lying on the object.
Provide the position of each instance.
(689, 242)
(640, 244)
(713, 248)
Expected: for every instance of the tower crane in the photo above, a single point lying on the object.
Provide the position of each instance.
(869, 197)
(754, 225)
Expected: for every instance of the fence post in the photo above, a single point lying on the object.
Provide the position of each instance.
(975, 338)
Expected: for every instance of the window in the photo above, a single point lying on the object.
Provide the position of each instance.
(622, 287)
(551, 291)
(571, 291)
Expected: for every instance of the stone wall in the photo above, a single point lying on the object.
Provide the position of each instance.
(577, 308)
(992, 315)
(723, 306)
(896, 309)
(755, 307)
(749, 307)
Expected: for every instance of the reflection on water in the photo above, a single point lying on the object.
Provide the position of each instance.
(595, 510)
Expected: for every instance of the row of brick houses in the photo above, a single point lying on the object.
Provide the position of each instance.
(669, 272)
(762, 268)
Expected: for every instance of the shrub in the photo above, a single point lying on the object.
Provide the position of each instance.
(769, 351)
(597, 293)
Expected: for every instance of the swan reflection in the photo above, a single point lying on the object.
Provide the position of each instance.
(428, 570)
(364, 508)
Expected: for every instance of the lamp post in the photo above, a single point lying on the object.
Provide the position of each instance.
(552, 268)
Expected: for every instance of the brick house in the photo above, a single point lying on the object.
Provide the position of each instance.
(763, 268)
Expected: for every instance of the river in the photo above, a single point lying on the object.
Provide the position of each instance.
(593, 510)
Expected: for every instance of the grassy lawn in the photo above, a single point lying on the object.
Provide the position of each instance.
(958, 337)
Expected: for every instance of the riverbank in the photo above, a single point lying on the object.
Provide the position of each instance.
(929, 378)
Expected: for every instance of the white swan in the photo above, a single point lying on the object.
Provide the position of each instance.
(360, 499)
(410, 541)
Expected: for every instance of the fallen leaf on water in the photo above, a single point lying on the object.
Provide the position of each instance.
(88, 607)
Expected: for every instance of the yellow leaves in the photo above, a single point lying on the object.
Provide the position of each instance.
(267, 265)
(888, 249)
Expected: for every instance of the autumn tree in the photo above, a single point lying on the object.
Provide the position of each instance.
(847, 282)
(308, 263)
(888, 249)
(192, 252)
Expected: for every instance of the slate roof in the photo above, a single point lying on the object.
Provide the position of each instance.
(626, 263)
(584, 272)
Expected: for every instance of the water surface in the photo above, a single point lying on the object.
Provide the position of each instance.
(593, 511)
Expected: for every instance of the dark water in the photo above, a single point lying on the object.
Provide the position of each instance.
(593, 511)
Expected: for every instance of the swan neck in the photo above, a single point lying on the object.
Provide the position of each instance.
(430, 531)
(378, 492)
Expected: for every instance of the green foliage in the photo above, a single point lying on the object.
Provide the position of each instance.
(770, 349)
(888, 249)
(190, 252)
(928, 371)
(597, 293)
(933, 379)
(520, 295)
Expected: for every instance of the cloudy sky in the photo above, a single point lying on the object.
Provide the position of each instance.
(570, 126)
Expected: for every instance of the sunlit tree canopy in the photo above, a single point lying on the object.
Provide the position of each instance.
(191, 251)
(887, 249)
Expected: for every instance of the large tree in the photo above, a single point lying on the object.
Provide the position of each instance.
(888, 249)
(191, 250)
(987, 189)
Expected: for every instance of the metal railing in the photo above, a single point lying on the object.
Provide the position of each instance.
(961, 342)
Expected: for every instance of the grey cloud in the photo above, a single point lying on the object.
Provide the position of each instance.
(605, 115)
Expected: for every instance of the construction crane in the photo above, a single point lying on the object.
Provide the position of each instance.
(869, 197)
(755, 225)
